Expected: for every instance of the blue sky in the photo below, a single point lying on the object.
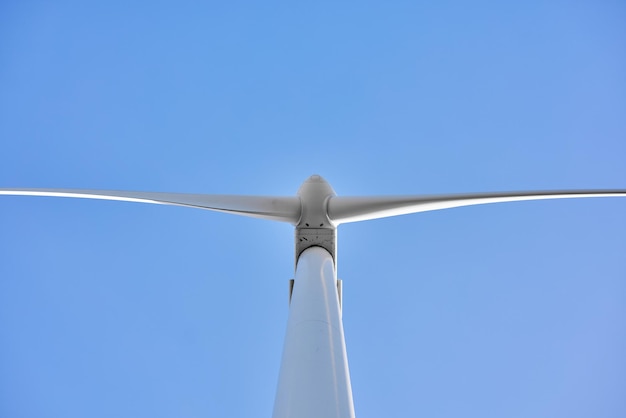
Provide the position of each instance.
(132, 310)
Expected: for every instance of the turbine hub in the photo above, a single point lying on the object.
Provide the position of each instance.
(314, 194)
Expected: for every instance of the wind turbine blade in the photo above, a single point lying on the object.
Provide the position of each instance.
(352, 209)
(284, 209)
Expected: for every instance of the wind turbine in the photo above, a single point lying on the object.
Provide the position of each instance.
(314, 378)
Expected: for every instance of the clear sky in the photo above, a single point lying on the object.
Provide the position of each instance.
(132, 310)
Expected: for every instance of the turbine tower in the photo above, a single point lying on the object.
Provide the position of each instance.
(314, 379)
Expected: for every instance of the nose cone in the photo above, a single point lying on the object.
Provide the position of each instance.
(317, 186)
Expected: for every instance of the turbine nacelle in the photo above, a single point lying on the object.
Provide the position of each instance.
(315, 228)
